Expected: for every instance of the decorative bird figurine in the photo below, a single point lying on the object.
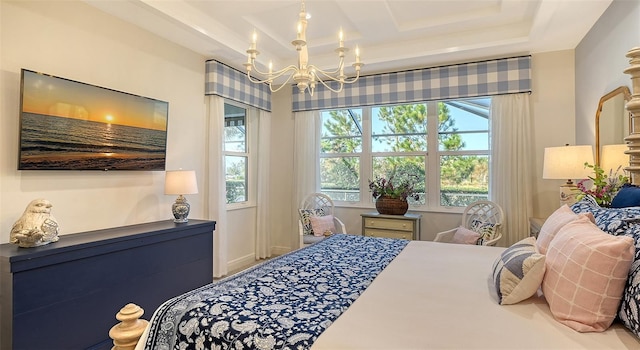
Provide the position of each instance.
(36, 226)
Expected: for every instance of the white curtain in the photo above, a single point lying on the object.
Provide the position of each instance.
(263, 234)
(217, 199)
(306, 161)
(510, 167)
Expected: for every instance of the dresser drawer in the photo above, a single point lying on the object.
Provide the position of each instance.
(388, 234)
(389, 224)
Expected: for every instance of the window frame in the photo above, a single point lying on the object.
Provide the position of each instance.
(251, 139)
(432, 157)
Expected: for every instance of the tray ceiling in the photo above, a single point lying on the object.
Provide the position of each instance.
(392, 34)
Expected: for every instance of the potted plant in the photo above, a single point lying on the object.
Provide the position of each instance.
(604, 187)
(391, 197)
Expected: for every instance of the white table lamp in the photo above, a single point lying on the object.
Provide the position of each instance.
(180, 182)
(567, 163)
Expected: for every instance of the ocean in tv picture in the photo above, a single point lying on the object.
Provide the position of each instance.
(55, 143)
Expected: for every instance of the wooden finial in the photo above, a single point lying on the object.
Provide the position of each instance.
(126, 334)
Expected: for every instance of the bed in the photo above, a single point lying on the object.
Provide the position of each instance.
(405, 295)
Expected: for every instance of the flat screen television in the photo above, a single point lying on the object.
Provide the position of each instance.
(69, 125)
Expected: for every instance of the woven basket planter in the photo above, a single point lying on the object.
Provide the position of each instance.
(391, 206)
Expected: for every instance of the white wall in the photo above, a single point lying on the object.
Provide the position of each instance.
(76, 41)
(600, 62)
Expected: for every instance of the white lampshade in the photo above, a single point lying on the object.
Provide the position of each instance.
(613, 156)
(180, 182)
(567, 162)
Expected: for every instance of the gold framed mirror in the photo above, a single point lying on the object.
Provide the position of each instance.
(612, 119)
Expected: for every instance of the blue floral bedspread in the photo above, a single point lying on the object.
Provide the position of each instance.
(285, 303)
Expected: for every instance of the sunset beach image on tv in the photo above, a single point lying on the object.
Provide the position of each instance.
(69, 125)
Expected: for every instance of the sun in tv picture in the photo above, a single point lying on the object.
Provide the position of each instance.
(69, 125)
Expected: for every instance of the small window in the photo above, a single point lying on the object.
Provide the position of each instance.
(236, 157)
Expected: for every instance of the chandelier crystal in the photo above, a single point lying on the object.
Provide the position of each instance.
(305, 75)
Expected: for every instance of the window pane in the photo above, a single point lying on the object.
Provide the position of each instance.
(235, 134)
(464, 125)
(463, 180)
(403, 169)
(341, 131)
(340, 178)
(236, 178)
(399, 128)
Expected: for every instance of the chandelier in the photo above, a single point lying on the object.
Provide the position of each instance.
(305, 75)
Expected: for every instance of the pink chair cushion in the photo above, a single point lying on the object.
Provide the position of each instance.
(465, 236)
(586, 271)
(322, 224)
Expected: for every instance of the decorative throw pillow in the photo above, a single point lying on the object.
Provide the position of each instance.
(628, 196)
(552, 225)
(321, 224)
(487, 230)
(629, 311)
(305, 214)
(518, 272)
(586, 271)
(465, 236)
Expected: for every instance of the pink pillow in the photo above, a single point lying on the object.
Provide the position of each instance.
(586, 272)
(322, 224)
(465, 236)
(553, 224)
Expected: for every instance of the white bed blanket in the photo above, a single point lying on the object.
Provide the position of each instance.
(438, 296)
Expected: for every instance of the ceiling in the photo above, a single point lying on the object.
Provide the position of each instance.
(392, 34)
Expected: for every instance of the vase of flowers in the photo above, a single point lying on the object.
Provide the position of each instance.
(603, 186)
(391, 198)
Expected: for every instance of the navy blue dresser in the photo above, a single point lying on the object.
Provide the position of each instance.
(65, 295)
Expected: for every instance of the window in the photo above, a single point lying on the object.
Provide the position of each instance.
(450, 170)
(236, 155)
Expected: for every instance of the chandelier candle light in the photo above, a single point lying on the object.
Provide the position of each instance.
(305, 75)
(180, 182)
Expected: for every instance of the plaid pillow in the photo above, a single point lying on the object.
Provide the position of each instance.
(305, 214)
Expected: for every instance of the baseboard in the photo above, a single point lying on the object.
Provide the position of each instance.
(241, 263)
(275, 251)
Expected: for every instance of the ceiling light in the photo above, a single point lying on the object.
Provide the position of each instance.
(305, 75)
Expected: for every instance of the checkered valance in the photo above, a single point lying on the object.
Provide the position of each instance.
(233, 84)
(486, 78)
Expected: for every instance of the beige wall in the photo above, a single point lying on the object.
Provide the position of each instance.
(553, 121)
(76, 41)
(600, 62)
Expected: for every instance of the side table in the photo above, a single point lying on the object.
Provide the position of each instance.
(405, 226)
(535, 224)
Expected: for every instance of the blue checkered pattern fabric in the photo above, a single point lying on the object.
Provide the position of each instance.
(487, 78)
(233, 84)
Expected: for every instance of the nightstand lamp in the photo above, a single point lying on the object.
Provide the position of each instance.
(613, 157)
(180, 182)
(567, 163)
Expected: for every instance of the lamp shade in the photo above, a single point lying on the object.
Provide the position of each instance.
(613, 156)
(567, 162)
(180, 182)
